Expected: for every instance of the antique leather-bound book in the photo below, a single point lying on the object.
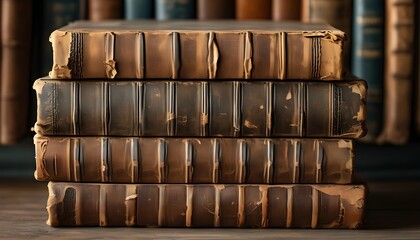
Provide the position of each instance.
(251, 9)
(368, 58)
(338, 13)
(174, 9)
(399, 77)
(193, 160)
(215, 9)
(283, 10)
(206, 205)
(197, 50)
(105, 9)
(201, 108)
(15, 69)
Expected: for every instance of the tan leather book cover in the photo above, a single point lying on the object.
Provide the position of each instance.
(201, 108)
(180, 205)
(286, 10)
(193, 160)
(197, 50)
(105, 9)
(399, 76)
(338, 13)
(215, 9)
(15, 69)
(251, 9)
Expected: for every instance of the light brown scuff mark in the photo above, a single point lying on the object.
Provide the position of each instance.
(170, 116)
(345, 144)
(289, 95)
(38, 86)
(60, 72)
(204, 119)
(131, 197)
(332, 36)
(360, 116)
(110, 69)
(359, 89)
(61, 44)
(249, 124)
(213, 56)
(248, 56)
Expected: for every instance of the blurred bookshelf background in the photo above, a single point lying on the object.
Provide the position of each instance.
(382, 48)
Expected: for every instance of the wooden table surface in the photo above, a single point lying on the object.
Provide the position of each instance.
(393, 213)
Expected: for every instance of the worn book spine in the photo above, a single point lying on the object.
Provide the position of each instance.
(201, 108)
(180, 205)
(138, 9)
(193, 160)
(105, 9)
(368, 58)
(198, 54)
(251, 9)
(215, 9)
(338, 13)
(399, 75)
(15, 69)
(285, 10)
(174, 9)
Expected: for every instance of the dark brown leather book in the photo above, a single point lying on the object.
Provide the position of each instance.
(15, 69)
(193, 160)
(179, 205)
(215, 9)
(105, 9)
(251, 9)
(283, 10)
(197, 50)
(201, 108)
(399, 76)
(338, 13)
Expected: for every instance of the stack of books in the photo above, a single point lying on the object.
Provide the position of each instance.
(200, 124)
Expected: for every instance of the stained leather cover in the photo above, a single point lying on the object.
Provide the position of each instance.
(201, 108)
(193, 160)
(197, 50)
(179, 205)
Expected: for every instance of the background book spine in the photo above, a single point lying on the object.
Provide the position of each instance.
(284, 10)
(215, 9)
(174, 9)
(209, 108)
(105, 9)
(138, 9)
(198, 55)
(250, 9)
(399, 77)
(159, 205)
(16, 30)
(368, 58)
(193, 160)
(336, 13)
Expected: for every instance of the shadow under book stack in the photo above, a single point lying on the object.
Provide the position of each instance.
(200, 124)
